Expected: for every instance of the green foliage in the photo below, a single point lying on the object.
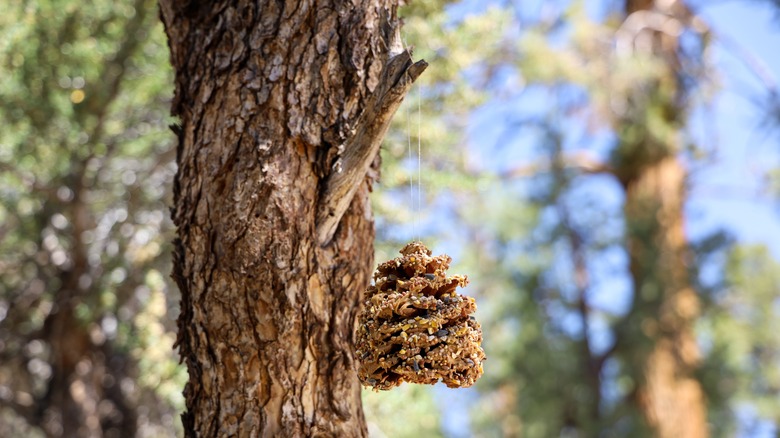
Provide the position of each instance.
(740, 332)
(526, 235)
(436, 107)
(86, 160)
(408, 411)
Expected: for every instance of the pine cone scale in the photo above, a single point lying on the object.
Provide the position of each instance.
(415, 327)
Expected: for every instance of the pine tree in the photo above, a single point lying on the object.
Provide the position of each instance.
(283, 107)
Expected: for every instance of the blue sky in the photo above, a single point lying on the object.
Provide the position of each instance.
(727, 191)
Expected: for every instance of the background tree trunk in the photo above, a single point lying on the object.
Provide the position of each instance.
(269, 93)
(667, 393)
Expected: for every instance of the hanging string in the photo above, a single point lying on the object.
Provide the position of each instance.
(411, 177)
(409, 147)
(419, 159)
(416, 209)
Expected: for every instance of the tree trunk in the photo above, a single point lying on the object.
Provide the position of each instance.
(664, 357)
(668, 395)
(283, 106)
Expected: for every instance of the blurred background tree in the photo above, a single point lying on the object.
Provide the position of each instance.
(552, 135)
(581, 162)
(86, 310)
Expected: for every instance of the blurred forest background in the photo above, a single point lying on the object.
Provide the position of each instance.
(607, 173)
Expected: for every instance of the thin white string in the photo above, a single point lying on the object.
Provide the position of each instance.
(415, 210)
(419, 160)
(409, 147)
(411, 178)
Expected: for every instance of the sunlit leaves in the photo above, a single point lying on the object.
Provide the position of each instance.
(85, 159)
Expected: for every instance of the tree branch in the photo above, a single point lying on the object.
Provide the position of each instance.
(361, 149)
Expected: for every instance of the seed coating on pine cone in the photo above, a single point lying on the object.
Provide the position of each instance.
(415, 328)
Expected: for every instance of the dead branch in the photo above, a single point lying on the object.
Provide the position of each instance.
(360, 149)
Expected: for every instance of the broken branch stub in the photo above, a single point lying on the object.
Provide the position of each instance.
(361, 148)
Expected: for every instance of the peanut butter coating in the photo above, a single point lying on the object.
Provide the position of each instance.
(415, 328)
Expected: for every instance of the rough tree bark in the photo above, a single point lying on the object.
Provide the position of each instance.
(283, 106)
(667, 393)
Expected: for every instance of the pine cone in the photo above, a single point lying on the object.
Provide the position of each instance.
(415, 327)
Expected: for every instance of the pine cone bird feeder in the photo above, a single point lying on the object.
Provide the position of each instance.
(415, 328)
